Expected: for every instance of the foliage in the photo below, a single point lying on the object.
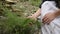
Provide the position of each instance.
(33, 2)
(13, 24)
(16, 25)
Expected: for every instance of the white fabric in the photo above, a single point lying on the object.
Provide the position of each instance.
(54, 26)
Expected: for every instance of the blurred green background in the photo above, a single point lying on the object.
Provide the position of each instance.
(13, 15)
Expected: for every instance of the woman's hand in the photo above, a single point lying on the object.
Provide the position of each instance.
(33, 17)
(49, 17)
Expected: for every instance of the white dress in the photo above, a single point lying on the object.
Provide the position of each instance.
(54, 26)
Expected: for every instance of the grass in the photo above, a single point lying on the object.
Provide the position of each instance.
(19, 25)
(35, 2)
(16, 25)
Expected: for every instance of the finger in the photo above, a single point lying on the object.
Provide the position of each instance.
(44, 19)
(49, 21)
